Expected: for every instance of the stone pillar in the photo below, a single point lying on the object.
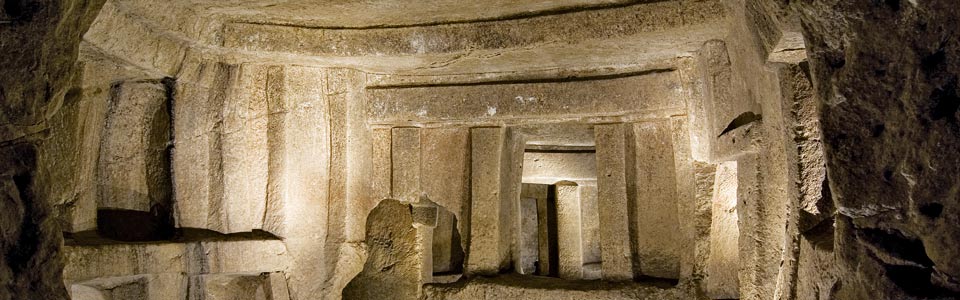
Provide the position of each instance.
(590, 230)
(382, 183)
(539, 192)
(443, 260)
(245, 151)
(658, 228)
(721, 283)
(406, 164)
(484, 254)
(686, 194)
(749, 195)
(568, 231)
(529, 236)
(198, 109)
(425, 245)
(612, 197)
(134, 177)
(425, 220)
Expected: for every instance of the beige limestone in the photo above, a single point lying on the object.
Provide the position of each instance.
(724, 235)
(529, 235)
(486, 147)
(393, 267)
(590, 230)
(553, 167)
(627, 94)
(255, 286)
(382, 183)
(569, 234)
(686, 194)
(445, 169)
(145, 287)
(134, 174)
(284, 115)
(86, 262)
(657, 210)
(245, 152)
(406, 164)
(447, 247)
(196, 156)
(612, 193)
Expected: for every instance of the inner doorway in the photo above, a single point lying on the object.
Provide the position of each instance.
(540, 253)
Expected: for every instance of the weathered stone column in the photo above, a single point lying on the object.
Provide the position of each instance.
(568, 231)
(686, 194)
(245, 151)
(529, 236)
(658, 228)
(612, 197)
(381, 186)
(198, 109)
(135, 201)
(749, 195)
(484, 254)
(590, 230)
(724, 257)
(443, 246)
(425, 220)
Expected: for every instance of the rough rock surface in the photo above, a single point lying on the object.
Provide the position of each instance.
(546, 288)
(39, 41)
(392, 268)
(891, 125)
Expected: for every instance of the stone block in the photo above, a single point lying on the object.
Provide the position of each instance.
(406, 164)
(252, 286)
(569, 237)
(425, 215)
(486, 147)
(724, 236)
(612, 196)
(656, 215)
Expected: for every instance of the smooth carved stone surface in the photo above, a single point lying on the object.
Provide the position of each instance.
(445, 168)
(196, 156)
(657, 220)
(138, 287)
(253, 286)
(553, 167)
(590, 232)
(569, 234)
(633, 93)
(724, 236)
(87, 262)
(244, 151)
(406, 164)
(614, 220)
(484, 257)
(297, 117)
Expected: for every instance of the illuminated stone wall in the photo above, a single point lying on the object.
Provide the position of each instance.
(706, 149)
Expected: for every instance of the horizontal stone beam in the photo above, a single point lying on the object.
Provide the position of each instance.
(602, 96)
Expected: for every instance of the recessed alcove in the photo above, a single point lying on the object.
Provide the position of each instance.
(558, 212)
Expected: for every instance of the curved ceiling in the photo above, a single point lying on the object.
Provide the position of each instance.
(416, 38)
(377, 13)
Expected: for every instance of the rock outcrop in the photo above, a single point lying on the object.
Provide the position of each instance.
(39, 40)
